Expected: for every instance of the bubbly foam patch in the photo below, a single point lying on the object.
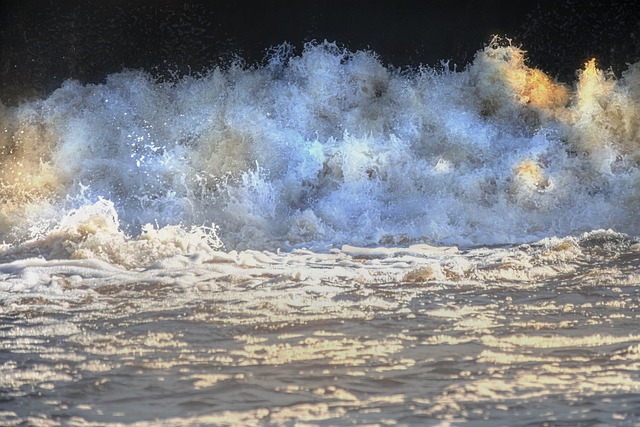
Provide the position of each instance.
(93, 231)
(325, 148)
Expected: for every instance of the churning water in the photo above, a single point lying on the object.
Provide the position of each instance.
(323, 241)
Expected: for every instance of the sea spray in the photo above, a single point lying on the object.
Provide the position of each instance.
(329, 148)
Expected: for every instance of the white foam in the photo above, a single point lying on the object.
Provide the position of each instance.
(93, 232)
(323, 149)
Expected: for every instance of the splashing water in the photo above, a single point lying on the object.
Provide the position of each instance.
(330, 147)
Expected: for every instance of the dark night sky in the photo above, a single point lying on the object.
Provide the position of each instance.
(44, 42)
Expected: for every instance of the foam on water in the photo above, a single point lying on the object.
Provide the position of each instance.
(321, 149)
(379, 336)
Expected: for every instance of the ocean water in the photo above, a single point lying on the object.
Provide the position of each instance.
(324, 240)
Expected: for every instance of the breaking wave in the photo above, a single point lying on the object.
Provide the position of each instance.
(324, 148)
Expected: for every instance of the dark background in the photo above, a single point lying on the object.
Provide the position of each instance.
(44, 42)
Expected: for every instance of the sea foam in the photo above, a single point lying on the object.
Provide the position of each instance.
(320, 149)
